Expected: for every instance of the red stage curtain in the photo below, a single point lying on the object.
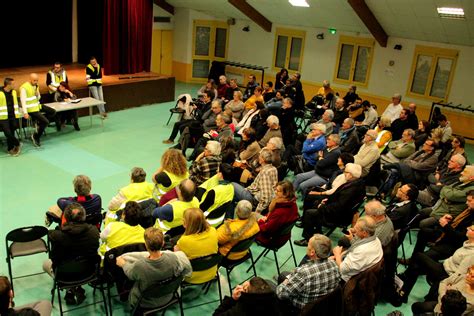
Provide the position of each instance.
(127, 36)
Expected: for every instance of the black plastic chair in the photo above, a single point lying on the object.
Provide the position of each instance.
(333, 227)
(160, 289)
(285, 230)
(229, 265)
(78, 272)
(175, 110)
(111, 273)
(25, 241)
(404, 231)
(201, 264)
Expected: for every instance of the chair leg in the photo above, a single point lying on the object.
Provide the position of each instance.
(59, 300)
(293, 252)
(219, 287)
(228, 280)
(263, 253)
(171, 115)
(10, 273)
(409, 236)
(104, 300)
(276, 262)
(53, 291)
(253, 264)
(180, 301)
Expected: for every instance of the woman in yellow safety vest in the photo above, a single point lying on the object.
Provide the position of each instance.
(172, 171)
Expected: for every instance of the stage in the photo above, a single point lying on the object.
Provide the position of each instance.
(120, 91)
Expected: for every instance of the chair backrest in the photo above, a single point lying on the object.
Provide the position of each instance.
(161, 288)
(286, 229)
(207, 262)
(111, 255)
(94, 219)
(361, 292)
(330, 304)
(175, 231)
(26, 234)
(242, 245)
(77, 271)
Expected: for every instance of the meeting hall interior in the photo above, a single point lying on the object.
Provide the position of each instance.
(237, 157)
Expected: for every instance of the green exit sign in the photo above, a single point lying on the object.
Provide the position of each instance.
(332, 31)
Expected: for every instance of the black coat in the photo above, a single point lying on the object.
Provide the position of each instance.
(351, 144)
(401, 215)
(338, 208)
(249, 305)
(73, 240)
(328, 165)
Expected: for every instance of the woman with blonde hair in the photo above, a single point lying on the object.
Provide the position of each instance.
(199, 240)
(172, 171)
(235, 230)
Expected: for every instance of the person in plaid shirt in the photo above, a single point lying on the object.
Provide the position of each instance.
(206, 164)
(261, 189)
(315, 278)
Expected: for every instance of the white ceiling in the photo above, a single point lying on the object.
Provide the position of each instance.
(414, 19)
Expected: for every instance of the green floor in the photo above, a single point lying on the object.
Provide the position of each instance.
(131, 138)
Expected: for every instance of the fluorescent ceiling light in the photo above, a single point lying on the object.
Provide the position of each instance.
(299, 3)
(453, 13)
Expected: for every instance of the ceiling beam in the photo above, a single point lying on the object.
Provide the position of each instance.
(165, 6)
(370, 21)
(253, 14)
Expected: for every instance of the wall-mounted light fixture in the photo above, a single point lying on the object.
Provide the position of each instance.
(246, 28)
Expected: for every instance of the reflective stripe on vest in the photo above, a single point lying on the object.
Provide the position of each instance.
(62, 75)
(178, 210)
(4, 108)
(159, 189)
(32, 102)
(91, 81)
(380, 134)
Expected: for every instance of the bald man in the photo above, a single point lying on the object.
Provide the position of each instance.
(31, 107)
(412, 118)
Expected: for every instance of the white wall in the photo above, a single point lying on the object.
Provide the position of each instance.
(157, 11)
(319, 58)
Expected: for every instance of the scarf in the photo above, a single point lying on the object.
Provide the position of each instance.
(345, 134)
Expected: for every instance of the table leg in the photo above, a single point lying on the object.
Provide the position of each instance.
(90, 114)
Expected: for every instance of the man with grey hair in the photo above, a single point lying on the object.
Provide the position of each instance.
(400, 149)
(315, 141)
(260, 192)
(275, 144)
(314, 278)
(349, 137)
(393, 109)
(383, 225)
(368, 152)
(323, 169)
(326, 119)
(206, 164)
(362, 254)
(439, 179)
(340, 113)
(274, 130)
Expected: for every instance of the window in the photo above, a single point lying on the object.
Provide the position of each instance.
(432, 72)
(210, 40)
(354, 57)
(289, 45)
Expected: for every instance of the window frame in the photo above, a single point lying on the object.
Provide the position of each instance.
(290, 33)
(213, 25)
(435, 53)
(356, 42)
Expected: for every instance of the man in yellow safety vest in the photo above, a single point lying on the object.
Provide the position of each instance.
(9, 114)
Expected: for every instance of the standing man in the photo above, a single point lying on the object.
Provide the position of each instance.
(94, 81)
(31, 106)
(9, 113)
(54, 76)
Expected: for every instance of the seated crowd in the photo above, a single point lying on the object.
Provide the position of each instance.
(246, 148)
